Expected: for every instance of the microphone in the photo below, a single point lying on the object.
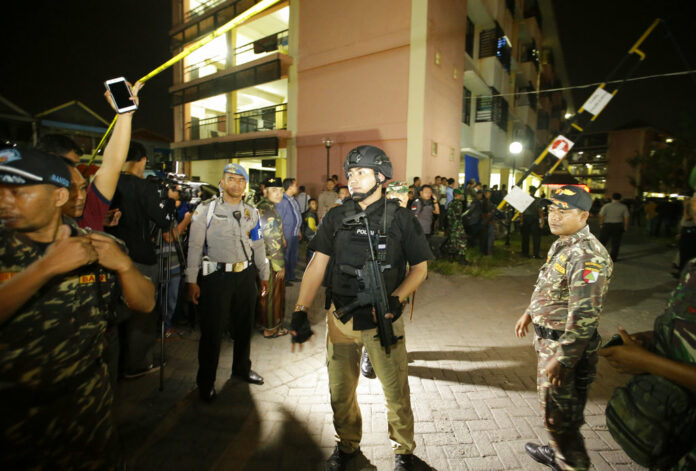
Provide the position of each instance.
(237, 215)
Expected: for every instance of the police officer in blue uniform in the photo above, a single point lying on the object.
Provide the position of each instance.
(226, 246)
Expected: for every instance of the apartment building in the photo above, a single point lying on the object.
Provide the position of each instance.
(510, 53)
(601, 160)
(231, 97)
(432, 82)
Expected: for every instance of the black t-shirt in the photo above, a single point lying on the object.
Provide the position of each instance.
(404, 230)
(140, 205)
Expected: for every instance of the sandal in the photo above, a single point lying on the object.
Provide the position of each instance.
(279, 332)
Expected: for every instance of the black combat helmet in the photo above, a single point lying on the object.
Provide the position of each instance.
(368, 157)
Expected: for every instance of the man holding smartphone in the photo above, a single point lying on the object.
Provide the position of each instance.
(89, 202)
(564, 311)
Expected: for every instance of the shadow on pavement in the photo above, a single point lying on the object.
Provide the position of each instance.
(517, 377)
(625, 298)
(196, 435)
(294, 448)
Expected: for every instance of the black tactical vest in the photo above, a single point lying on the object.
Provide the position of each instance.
(351, 248)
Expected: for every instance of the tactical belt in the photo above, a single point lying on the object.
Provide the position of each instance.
(546, 333)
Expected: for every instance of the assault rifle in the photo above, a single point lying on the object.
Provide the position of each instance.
(373, 292)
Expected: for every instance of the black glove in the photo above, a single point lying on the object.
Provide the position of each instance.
(395, 307)
(300, 325)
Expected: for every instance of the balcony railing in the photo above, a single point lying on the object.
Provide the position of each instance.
(206, 128)
(207, 21)
(274, 42)
(493, 42)
(261, 119)
(202, 8)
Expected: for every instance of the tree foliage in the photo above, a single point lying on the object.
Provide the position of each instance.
(665, 170)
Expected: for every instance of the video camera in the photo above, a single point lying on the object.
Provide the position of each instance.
(176, 182)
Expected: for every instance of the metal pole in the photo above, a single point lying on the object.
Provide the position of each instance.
(509, 216)
(328, 150)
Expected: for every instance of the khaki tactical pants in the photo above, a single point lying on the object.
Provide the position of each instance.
(344, 349)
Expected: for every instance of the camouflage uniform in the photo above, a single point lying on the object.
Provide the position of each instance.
(565, 308)
(681, 310)
(456, 244)
(53, 385)
(271, 307)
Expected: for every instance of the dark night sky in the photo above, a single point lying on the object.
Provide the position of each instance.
(596, 35)
(57, 51)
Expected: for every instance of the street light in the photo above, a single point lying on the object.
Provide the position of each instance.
(327, 143)
(515, 148)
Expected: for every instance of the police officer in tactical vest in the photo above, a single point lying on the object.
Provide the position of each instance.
(225, 243)
(341, 248)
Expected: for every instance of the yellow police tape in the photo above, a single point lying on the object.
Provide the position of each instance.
(241, 18)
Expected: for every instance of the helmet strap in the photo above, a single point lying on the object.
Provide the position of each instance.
(361, 196)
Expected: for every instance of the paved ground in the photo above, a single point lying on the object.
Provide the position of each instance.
(472, 385)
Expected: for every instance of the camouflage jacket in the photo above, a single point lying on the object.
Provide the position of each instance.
(272, 228)
(675, 334)
(675, 330)
(569, 293)
(455, 211)
(59, 332)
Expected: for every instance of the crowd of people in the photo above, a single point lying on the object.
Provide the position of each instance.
(92, 271)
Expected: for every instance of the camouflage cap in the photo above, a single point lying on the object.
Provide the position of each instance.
(397, 187)
(570, 197)
(273, 182)
(458, 191)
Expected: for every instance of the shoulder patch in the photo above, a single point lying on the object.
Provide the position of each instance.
(559, 268)
(590, 274)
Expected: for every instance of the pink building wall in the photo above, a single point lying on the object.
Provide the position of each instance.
(444, 88)
(353, 66)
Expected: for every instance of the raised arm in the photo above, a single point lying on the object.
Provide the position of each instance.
(116, 150)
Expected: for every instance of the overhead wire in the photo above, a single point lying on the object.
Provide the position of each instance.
(593, 84)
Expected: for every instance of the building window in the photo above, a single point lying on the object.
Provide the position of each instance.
(469, 44)
(494, 42)
(466, 107)
(492, 108)
(483, 108)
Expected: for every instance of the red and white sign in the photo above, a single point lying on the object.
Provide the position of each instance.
(561, 146)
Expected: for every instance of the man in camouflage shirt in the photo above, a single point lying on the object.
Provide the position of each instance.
(270, 307)
(456, 243)
(564, 310)
(57, 286)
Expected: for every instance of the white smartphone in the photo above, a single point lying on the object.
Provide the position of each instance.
(121, 94)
